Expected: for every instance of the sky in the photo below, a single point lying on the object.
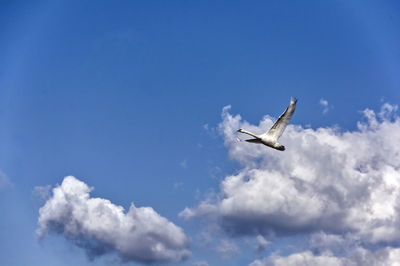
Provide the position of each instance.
(118, 123)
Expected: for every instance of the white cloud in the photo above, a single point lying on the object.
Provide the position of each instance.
(226, 249)
(99, 226)
(361, 256)
(305, 258)
(205, 237)
(321, 243)
(201, 263)
(326, 107)
(42, 192)
(326, 180)
(210, 130)
(261, 243)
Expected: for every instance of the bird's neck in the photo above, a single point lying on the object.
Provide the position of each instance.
(249, 133)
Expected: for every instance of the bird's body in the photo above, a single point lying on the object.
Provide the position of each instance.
(271, 137)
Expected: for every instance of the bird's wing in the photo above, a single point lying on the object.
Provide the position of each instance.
(277, 129)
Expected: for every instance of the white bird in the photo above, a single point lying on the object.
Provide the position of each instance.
(271, 137)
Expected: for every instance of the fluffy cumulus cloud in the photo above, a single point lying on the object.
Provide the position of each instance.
(100, 227)
(327, 180)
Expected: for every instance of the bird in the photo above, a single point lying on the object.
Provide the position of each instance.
(271, 137)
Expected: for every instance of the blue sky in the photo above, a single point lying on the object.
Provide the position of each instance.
(127, 97)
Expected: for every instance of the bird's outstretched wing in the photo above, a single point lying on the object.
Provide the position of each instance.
(277, 129)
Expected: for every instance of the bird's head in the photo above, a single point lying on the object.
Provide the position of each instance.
(280, 147)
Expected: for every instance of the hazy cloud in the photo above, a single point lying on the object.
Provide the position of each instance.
(226, 249)
(325, 105)
(326, 180)
(42, 192)
(210, 130)
(4, 181)
(99, 226)
(201, 263)
(261, 243)
(183, 164)
(178, 185)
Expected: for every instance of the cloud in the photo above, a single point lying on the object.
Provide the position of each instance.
(100, 227)
(321, 242)
(326, 107)
(201, 263)
(305, 258)
(261, 243)
(361, 256)
(209, 130)
(226, 249)
(326, 180)
(326, 249)
(183, 164)
(4, 180)
(42, 192)
(178, 185)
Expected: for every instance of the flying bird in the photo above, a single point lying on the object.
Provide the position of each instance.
(271, 137)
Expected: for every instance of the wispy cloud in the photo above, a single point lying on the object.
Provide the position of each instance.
(226, 248)
(261, 243)
(326, 107)
(183, 164)
(100, 227)
(210, 130)
(42, 192)
(201, 263)
(178, 185)
(4, 180)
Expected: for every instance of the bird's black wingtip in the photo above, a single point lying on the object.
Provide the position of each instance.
(293, 99)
